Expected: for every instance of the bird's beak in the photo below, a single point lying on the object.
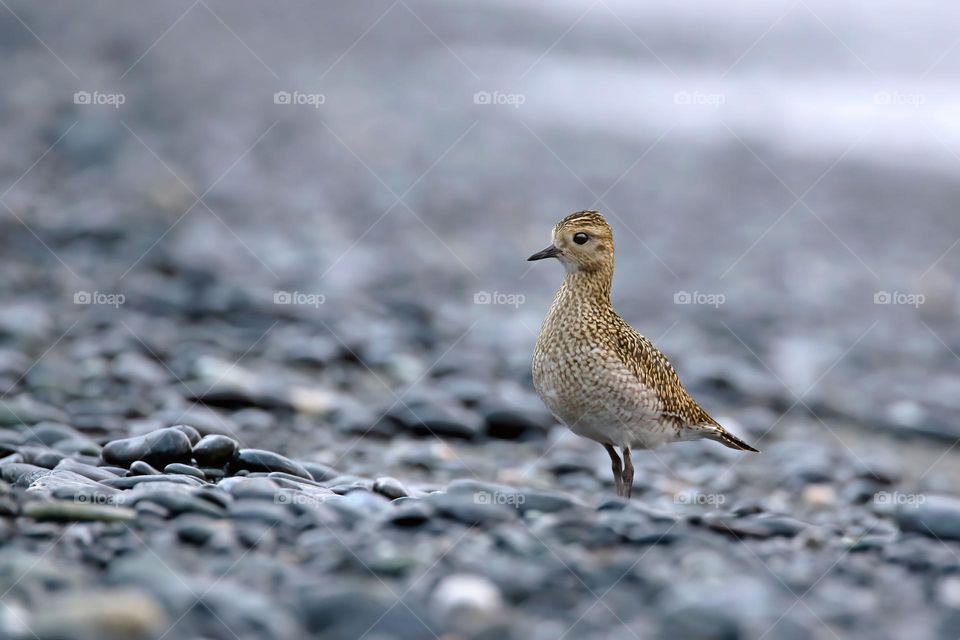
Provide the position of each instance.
(549, 252)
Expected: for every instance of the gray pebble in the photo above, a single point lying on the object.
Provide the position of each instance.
(184, 469)
(258, 460)
(215, 450)
(157, 448)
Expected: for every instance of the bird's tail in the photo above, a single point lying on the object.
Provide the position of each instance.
(726, 438)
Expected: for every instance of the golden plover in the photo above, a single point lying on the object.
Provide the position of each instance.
(595, 373)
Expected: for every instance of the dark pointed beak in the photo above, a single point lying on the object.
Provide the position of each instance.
(549, 252)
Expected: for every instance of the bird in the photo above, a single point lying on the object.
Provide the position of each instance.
(599, 376)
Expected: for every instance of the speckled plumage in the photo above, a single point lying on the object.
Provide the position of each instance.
(598, 375)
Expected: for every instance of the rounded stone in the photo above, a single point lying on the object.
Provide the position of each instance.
(157, 448)
(215, 450)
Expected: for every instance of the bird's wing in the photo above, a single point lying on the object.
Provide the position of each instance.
(654, 371)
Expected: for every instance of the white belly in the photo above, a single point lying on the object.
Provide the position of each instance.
(624, 415)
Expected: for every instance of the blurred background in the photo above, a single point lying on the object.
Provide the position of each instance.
(305, 224)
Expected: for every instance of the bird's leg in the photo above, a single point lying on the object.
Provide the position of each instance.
(617, 468)
(627, 473)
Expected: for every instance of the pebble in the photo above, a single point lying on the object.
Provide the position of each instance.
(352, 614)
(196, 529)
(411, 513)
(64, 511)
(191, 432)
(132, 481)
(184, 469)
(141, 468)
(49, 433)
(258, 460)
(759, 526)
(516, 424)
(61, 481)
(437, 421)
(175, 499)
(157, 448)
(21, 474)
(86, 470)
(215, 450)
(270, 514)
(464, 508)
(465, 594)
(119, 614)
(390, 487)
(931, 515)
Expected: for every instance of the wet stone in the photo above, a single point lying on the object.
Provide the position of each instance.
(141, 468)
(215, 450)
(183, 469)
(259, 460)
(78, 446)
(320, 472)
(389, 487)
(213, 475)
(157, 448)
(42, 457)
(86, 470)
(191, 432)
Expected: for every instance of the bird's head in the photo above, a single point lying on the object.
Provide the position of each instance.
(583, 241)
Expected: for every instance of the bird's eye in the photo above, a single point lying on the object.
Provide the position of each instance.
(580, 238)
